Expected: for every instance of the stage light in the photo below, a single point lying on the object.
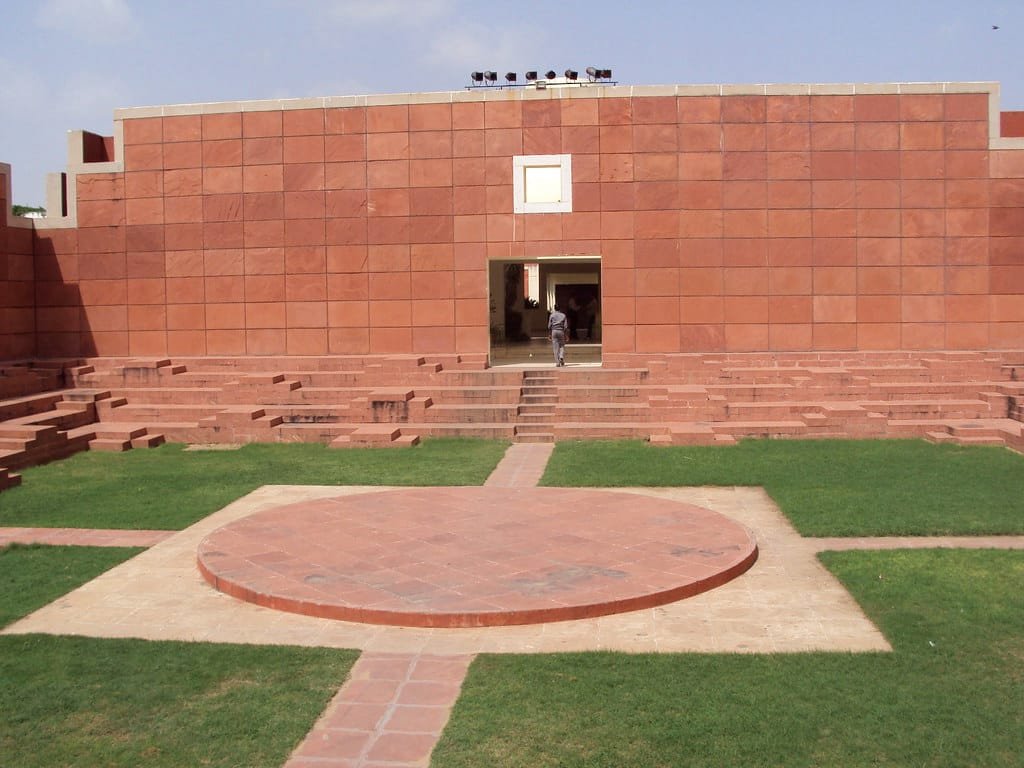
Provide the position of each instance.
(550, 74)
(593, 73)
(510, 77)
(477, 77)
(571, 74)
(531, 75)
(490, 76)
(606, 74)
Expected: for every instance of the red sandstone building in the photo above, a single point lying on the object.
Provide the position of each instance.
(796, 219)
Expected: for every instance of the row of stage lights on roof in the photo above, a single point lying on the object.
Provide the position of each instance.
(489, 79)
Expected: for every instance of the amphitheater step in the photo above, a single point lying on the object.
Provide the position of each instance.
(466, 414)
(30, 405)
(687, 434)
(782, 428)
(180, 395)
(8, 479)
(143, 412)
(110, 444)
(114, 432)
(308, 414)
(240, 415)
(374, 435)
(24, 436)
(966, 440)
(148, 441)
(522, 436)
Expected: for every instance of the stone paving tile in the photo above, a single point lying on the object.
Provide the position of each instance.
(786, 602)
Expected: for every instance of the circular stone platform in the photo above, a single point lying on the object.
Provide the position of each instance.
(472, 557)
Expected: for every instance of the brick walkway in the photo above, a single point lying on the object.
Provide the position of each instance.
(522, 466)
(390, 712)
(917, 542)
(396, 702)
(83, 537)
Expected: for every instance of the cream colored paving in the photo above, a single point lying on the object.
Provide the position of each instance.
(786, 602)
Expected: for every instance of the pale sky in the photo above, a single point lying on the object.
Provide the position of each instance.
(68, 64)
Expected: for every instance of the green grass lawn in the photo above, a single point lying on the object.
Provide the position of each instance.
(168, 488)
(827, 487)
(68, 701)
(951, 694)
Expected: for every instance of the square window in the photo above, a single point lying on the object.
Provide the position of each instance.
(542, 183)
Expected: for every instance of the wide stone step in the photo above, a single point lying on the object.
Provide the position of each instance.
(64, 416)
(471, 395)
(17, 407)
(162, 412)
(168, 395)
(780, 428)
(602, 430)
(538, 399)
(601, 412)
(470, 413)
(528, 391)
(600, 394)
(313, 431)
(485, 430)
(533, 436)
(691, 434)
(925, 409)
(535, 418)
(26, 435)
(8, 479)
(309, 414)
(375, 435)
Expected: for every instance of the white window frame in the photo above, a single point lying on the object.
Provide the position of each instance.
(520, 164)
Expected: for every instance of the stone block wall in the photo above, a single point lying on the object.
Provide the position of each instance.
(798, 218)
(17, 300)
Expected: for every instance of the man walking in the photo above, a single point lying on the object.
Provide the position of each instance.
(558, 327)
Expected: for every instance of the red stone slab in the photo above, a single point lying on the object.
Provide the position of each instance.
(471, 557)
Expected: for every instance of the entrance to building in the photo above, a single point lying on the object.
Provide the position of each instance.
(522, 295)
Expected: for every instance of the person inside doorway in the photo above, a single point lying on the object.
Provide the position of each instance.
(585, 317)
(572, 314)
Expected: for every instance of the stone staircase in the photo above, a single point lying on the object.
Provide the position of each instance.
(50, 410)
(535, 413)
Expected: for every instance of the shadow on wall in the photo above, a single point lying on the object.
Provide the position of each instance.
(63, 328)
(17, 294)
